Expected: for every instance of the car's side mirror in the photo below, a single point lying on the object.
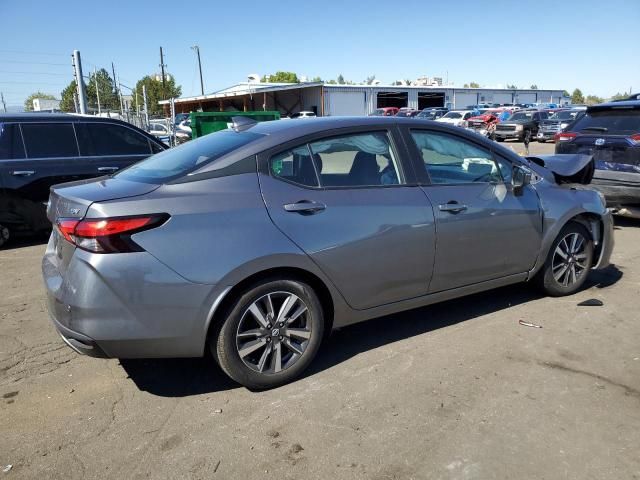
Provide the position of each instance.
(521, 178)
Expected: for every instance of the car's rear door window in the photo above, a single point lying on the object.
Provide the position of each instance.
(295, 166)
(11, 146)
(102, 139)
(358, 160)
(452, 160)
(49, 140)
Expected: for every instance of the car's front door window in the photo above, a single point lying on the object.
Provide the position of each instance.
(451, 160)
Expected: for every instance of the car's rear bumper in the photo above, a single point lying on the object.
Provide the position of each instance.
(617, 193)
(125, 305)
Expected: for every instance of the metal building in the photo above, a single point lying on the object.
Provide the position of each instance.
(337, 100)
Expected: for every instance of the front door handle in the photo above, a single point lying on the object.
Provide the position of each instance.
(305, 206)
(23, 173)
(107, 169)
(452, 207)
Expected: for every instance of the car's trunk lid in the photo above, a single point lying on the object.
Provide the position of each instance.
(617, 153)
(567, 168)
(72, 200)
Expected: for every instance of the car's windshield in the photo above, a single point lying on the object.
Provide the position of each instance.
(614, 121)
(521, 116)
(179, 161)
(564, 115)
(378, 111)
(453, 115)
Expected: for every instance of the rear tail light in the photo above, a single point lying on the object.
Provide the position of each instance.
(108, 235)
(636, 137)
(564, 136)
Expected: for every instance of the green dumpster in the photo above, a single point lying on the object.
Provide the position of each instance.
(203, 123)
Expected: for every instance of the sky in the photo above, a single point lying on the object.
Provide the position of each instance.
(590, 44)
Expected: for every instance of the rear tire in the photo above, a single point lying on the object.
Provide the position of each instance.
(499, 139)
(568, 263)
(270, 335)
(5, 235)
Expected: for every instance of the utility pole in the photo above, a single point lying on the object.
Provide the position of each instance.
(144, 102)
(120, 95)
(162, 65)
(82, 96)
(197, 49)
(95, 77)
(4, 105)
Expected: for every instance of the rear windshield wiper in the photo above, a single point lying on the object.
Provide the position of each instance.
(596, 129)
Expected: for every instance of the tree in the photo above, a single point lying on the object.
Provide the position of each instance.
(281, 77)
(397, 82)
(565, 93)
(534, 87)
(577, 96)
(512, 87)
(620, 96)
(108, 98)
(28, 103)
(593, 99)
(340, 80)
(67, 103)
(466, 85)
(332, 82)
(407, 82)
(370, 79)
(474, 85)
(155, 93)
(316, 79)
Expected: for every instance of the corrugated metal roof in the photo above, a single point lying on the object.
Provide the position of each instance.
(244, 89)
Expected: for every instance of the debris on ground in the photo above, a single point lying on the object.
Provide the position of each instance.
(592, 302)
(7, 469)
(217, 410)
(527, 324)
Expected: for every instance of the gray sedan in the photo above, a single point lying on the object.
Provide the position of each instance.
(256, 241)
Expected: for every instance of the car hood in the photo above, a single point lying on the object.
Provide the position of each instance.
(567, 168)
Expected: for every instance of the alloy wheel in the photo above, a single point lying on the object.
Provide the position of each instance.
(569, 259)
(274, 332)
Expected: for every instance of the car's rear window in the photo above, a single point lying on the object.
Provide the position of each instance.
(612, 122)
(180, 161)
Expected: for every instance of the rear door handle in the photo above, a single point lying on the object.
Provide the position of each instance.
(452, 207)
(23, 173)
(305, 206)
(107, 169)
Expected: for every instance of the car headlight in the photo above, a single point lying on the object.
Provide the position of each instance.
(519, 127)
(563, 126)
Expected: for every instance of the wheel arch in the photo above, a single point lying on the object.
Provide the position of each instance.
(319, 286)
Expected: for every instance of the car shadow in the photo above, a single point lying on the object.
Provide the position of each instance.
(24, 241)
(186, 377)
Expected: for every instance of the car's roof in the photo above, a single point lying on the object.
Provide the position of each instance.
(625, 104)
(52, 117)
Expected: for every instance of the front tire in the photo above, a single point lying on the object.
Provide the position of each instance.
(270, 335)
(568, 262)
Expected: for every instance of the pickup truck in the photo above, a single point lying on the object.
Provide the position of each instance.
(522, 125)
(41, 150)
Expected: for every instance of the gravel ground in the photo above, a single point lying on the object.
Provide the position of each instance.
(458, 390)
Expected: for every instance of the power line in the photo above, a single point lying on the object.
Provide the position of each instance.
(36, 63)
(19, 52)
(32, 83)
(35, 73)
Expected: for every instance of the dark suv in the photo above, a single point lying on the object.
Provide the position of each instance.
(41, 150)
(521, 125)
(611, 133)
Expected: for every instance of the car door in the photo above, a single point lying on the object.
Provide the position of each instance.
(11, 152)
(107, 147)
(484, 230)
(347, 201)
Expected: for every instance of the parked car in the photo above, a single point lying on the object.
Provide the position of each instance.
(484, 124)
(556, 123)
(160, 130)
(255, 241)
(522, 125)
(457, 118)
(385, 112)
(611, 133)
(432, 113)
(40, 150)
(304, 114)
(407, 112)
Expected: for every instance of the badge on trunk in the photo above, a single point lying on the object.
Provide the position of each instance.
(599, 142)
